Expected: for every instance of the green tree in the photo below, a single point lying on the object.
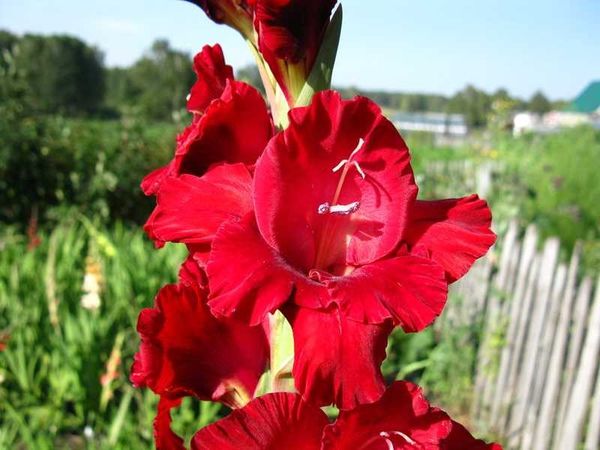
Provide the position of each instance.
(473, 103)
(62, 73)
(250, 75)
(539, 103)
(157, 83)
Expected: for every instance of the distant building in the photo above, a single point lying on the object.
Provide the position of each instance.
(588, 102)
(585, 109)
(436, 123)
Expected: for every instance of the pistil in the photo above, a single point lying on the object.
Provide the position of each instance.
(334, 208)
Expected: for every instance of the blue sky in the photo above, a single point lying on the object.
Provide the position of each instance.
(420, 46)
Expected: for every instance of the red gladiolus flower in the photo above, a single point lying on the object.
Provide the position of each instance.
(185, 350)
(209, 178)
(331, 222)
(401, 420)
(231, 122)
(290, 33)
(337, 223)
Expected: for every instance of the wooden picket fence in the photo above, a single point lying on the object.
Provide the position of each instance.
(537, 382)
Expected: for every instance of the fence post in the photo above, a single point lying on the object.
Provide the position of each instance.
(547, 412)
(501, 284)
(578, 324)
(516, 304)
(579, 399)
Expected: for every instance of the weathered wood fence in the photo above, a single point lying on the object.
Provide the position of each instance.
(537, 383)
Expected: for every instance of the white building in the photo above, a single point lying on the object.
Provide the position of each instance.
(436, 123)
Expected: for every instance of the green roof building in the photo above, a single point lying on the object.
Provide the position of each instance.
(588, 101)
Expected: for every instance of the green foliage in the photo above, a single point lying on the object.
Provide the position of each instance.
(250, 74)
(50, 372)
(62, 73)
(473, 103)
(155, 86)
(448, 377)
(553, 182)
(539, 103)
(400, 101)
(95, 165)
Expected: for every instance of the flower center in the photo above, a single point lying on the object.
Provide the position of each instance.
(327, 243)
(395, 440)
(390, 443)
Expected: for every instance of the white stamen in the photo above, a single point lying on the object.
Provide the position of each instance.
(344, 209)
(406, 437)
(187, 97)
(341, 164)
(359, 169)
(385, 436)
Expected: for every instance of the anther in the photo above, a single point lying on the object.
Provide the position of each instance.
(341, 164)
(361, 142)
(359, 169)
(343, 210)
(323, 208)
(187, 97)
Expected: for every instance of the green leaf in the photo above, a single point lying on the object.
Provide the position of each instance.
(322, 71)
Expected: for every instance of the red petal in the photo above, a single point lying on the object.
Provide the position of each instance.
(235, 128)
(294, 177)
(248, 278)
(151, 182)
(460, 439)
(190, 209)
(408, 289)
(274, 421)
(402, 415)
(180, 356)
(337, 360)
(191, 272)
(456, 232)
(212, 73)
(164, 437)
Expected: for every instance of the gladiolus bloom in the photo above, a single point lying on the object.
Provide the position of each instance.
(336, 222)
(401, 420)
(179, 356)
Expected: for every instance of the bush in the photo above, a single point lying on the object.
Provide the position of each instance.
(553, 181)
(94, 165)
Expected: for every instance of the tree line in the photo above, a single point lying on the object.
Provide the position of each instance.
(61, 74)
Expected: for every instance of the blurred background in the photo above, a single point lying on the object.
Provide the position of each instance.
(499, 97)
